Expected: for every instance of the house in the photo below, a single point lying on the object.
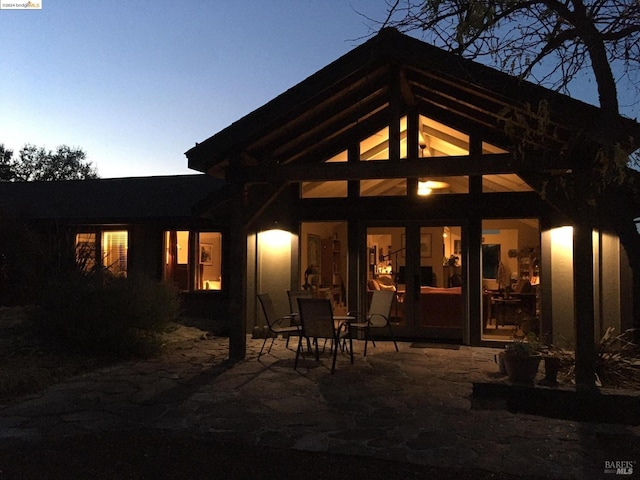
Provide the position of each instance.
(403, 166)
(142, 225)
(398, 166)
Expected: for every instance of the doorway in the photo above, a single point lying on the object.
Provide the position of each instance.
(423, 264)
(510, 278)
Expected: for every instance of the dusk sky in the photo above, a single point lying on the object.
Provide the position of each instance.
(135, 83)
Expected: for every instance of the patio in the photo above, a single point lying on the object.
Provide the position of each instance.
(411, 406)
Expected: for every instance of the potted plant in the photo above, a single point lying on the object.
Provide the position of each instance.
(522, 359)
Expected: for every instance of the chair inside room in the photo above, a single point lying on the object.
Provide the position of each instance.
(277, 325)
(455, 280)
(376, 318)
(316, 319)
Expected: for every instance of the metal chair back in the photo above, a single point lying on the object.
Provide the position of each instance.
(380, 308)
(293, 298)
(316, 318)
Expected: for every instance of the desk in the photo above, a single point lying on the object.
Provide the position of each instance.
(529, 301)
(508, 306)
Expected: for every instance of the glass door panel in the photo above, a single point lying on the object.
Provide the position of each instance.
(510, 278)
(386, 262)
(423, 265)
(440, 311)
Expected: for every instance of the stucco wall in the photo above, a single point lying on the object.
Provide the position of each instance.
(560, 249)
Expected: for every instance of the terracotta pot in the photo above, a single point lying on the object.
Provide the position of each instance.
(522, 369)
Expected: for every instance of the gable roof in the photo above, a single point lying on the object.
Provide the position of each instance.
(109, 200)
(311, 120)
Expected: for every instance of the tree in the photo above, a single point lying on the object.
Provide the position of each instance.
(551, 42)
(5, 163)
(33, 163)
(548, 41)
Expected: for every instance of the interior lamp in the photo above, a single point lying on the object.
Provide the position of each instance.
(426, 187)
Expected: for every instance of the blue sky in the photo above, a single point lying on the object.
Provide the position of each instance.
(136, 83)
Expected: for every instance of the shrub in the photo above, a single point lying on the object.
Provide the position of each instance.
(99, 314)
(617, 360)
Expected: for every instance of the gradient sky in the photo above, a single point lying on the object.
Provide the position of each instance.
(136, 83)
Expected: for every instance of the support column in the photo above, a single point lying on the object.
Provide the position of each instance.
(584, 319)
(237, 279)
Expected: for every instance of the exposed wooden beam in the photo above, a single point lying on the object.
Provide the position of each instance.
(336, 139)
(294, 138)
(491, 164)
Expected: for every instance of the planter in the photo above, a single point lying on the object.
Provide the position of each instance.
(551, 369)
(499, 359)
(520, 368)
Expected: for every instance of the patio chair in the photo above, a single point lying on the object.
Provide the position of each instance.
(376, 317)
(293, 302)
(277, 325)
(316, 318)
(293, 306)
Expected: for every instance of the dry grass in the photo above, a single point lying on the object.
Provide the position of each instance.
(29, 365)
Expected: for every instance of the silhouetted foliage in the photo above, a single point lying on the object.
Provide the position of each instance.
(37, 163)
(102, 314)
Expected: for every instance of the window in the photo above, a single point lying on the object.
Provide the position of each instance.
(209, 271)
(86, 251)
(193, 260)
(176, 265)
(114, 252)
(113, 248)
(329, 189)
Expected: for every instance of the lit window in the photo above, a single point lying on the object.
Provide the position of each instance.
(209, 272)
(193, 260)
(176, 265)
(114, 252)
(86, 251)
(329, 189)
(113, 248)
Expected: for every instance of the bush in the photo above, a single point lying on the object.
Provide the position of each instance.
(99, 314)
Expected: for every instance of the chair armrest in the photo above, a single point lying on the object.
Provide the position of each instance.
(374, 320)
(284, 318)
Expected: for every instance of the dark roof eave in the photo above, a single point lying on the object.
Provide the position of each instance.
(388, 47)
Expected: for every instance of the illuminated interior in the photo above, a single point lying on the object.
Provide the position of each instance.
(184, 266)
(435, 140)
(113, 248)
(510, 278)
(501, 183)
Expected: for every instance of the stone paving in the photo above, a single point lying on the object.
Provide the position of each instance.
(414, 405)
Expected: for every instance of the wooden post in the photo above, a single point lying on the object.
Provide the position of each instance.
(237, 256)
(584, 319)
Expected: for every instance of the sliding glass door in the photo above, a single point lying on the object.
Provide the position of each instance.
(424, 266)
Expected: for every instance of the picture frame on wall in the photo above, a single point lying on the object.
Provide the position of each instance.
(425, 245)
(206, 254)
(314, 250)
